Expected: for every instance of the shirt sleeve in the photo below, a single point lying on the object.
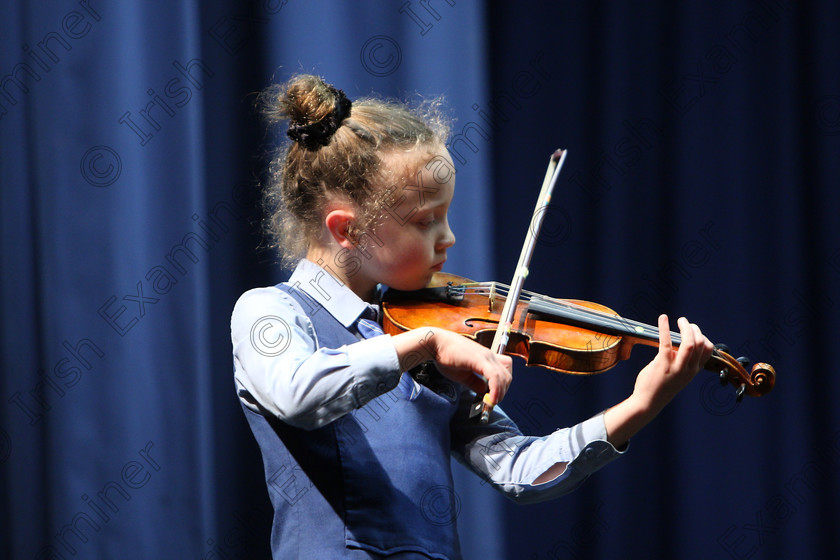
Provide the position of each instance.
(500, 454)
(279, 368)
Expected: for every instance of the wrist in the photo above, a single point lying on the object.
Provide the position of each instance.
(416, 346)
(641, 406)
(625, 419)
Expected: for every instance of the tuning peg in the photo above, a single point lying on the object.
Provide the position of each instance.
(739, 393)
(724, 377)
(722, 348)
(744, 361)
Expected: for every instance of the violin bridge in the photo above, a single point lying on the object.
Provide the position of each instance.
(491, 298)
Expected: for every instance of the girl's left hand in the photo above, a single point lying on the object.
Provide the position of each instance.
(660, 381)
(671, 370)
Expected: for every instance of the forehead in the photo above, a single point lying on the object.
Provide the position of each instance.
(428, 170)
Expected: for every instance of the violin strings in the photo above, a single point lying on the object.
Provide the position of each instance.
(617, 322)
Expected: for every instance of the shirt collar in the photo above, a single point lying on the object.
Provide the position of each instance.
(339, 300)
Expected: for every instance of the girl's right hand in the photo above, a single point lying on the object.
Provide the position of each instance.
(458, 358)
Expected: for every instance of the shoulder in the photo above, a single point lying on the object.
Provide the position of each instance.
(255, 297)
(268, 302)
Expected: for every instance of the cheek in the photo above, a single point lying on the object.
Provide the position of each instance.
(409, 258)
(407, 255)
(405, 247)
(395, 251)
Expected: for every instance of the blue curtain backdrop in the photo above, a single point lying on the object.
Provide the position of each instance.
(701, 181)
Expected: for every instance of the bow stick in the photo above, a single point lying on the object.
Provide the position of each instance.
(485, 405)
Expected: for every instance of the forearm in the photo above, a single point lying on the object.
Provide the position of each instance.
(530, 469)
(458, 358)
(626, 418)
(415, 346)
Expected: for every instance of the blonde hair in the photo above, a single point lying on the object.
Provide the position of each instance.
(345, 161)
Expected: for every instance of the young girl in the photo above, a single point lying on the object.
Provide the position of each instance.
(357, 451)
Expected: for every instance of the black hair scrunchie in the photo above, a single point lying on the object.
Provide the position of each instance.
(314, 135)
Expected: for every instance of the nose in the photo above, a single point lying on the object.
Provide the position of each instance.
(447, 240)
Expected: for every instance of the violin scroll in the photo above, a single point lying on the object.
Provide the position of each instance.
(758, 382)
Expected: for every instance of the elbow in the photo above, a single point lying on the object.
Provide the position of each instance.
(521, 494)
(304, 406)
(301, 421)
(309, 415)
(526, 494)
(295, 414)
(523, 499)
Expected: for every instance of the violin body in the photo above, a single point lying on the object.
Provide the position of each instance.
(569, 336)
(569, 350)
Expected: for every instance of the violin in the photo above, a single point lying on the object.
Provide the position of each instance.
(569, 336)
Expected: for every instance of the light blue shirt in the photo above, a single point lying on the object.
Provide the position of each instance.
(280, 369)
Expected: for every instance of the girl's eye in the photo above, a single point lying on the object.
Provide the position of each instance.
(426, 222)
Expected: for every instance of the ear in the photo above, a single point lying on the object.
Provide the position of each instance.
(339, 222)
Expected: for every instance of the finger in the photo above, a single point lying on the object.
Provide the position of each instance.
(499, 379)
(686, 349)
(495, 392)
(705, 346)
(476, 383)
(665, 346)
(697, 347)
(489, 401)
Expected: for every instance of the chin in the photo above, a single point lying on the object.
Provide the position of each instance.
(417, 283)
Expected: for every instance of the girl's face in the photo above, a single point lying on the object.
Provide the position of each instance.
(409, 245)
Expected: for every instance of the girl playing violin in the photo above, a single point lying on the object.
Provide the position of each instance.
(354, 446)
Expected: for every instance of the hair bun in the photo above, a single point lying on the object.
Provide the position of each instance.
(312, 136)
(314, 108)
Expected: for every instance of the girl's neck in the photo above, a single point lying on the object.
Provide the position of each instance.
(356, 282)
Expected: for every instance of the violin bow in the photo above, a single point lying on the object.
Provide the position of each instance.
(485, 405)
